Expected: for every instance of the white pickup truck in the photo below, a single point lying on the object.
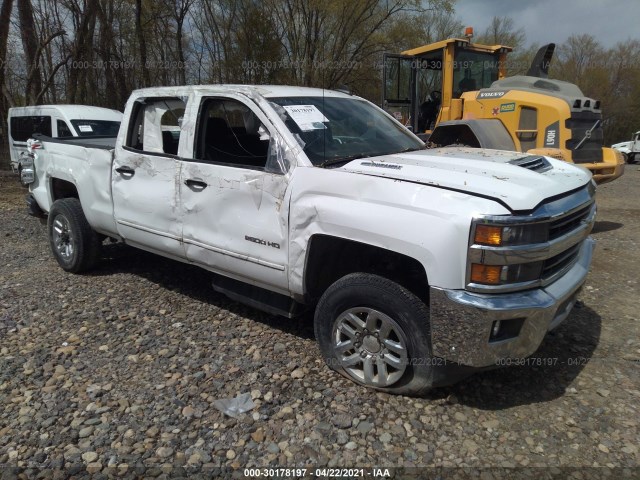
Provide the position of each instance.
(630, 150)
(422, 266)
(56, 121)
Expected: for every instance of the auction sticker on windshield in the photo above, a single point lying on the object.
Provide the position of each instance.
(308, 117)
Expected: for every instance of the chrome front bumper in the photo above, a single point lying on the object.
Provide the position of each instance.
(461, 321)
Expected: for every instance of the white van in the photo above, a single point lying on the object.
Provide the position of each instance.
(58, 121)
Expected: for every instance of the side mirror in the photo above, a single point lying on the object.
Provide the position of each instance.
(278, 157)
(264, 134)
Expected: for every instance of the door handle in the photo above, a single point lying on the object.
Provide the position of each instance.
(124, 170)
(197, 184)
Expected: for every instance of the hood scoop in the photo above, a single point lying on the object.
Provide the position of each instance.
(533, 163)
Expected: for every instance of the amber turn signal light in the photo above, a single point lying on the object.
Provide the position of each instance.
(488, 235)
(486, 274)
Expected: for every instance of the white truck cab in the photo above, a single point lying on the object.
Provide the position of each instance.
(421, 265)
(57, 121)
(630, 150)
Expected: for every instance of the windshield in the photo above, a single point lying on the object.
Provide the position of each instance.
(333, 130)
(474, 70)
(92, 128)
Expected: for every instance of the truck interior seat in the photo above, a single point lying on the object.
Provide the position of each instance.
(226, 145)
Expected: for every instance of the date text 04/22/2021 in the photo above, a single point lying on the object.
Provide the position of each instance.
(374, 473)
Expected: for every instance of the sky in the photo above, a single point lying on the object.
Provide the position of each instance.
(545, 21)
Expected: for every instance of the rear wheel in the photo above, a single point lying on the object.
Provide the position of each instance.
(75, 245)
(376, 333)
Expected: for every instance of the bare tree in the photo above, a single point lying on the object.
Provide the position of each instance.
(180, 11)
(142, 45)
(30, 36)
(502, 31)
(5, 98)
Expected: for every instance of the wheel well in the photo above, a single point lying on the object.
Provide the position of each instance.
(475, 133)
(331, 258)
(63, 189)
(455, 135)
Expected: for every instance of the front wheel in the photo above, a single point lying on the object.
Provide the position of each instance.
(75, 245)
(376, 333)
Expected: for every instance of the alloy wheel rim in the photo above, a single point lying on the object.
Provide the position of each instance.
(370, 346)
(63, 237)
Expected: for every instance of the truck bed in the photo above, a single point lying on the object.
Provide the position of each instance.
(83, 162)
(108, 143)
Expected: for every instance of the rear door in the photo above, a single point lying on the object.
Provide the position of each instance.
(233, 194)
(146, 175)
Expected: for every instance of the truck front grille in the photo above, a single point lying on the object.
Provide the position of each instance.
(554, 265)
(563, 225)
(556, 232)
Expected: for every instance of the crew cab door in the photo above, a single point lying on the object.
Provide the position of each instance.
(145, 176)
(232, 191)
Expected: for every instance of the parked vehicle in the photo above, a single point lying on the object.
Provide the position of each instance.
(422, 266)
(457, 92)
(630, 150)
(57, 121)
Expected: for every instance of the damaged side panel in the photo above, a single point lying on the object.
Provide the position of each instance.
(88, 169)
(234, 222)
(234, 207)
(428, 224)
(146, 176)
(150, 183)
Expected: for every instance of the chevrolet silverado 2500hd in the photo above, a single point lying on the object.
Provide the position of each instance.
(422, 265)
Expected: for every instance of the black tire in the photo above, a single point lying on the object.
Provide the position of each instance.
(75, 245)
(390, 305)
(626, 157)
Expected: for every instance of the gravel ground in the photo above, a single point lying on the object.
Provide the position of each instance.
(116, 373)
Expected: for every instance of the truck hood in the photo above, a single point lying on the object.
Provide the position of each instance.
(482, 172)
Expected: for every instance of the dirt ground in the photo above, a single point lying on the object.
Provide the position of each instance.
(117, 372)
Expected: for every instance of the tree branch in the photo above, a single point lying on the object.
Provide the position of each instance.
(49, 80)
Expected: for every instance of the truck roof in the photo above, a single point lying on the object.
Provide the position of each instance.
(80, 112)
(262, 90)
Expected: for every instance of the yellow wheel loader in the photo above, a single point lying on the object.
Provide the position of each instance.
(455, 92)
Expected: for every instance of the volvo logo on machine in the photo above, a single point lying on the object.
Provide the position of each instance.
(492, 94)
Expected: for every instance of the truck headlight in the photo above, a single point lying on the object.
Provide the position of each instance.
(497, 236)
(488, 235)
